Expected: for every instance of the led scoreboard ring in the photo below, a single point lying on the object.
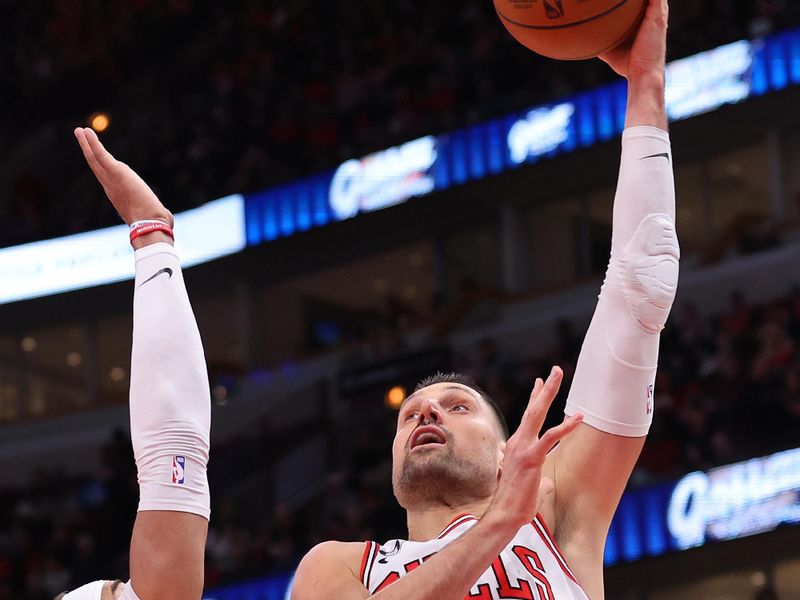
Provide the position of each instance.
(570, 29)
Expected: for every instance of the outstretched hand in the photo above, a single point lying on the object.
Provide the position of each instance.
(521, 488)
(645, 53)
(130, 195)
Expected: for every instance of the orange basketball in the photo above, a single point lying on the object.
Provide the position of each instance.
(570, 29)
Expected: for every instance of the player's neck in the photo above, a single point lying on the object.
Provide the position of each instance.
(426, 523)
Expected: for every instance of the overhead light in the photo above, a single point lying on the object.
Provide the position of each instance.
(28, 344)
(74, 359)
(116, 374)
(395, 396)
(99, 122)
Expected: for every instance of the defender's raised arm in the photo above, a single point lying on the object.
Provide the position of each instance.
(169, 400)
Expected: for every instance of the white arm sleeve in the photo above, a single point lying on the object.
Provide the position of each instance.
(170, 402)
(615, 374)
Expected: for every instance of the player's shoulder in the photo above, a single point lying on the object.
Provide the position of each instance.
(331, 566)
(343, 553)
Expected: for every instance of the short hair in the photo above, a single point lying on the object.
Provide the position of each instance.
(469, 382)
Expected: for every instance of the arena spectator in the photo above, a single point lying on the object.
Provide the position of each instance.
(241, 95)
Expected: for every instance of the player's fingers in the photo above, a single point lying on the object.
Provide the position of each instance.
(658, 11)
(537, 388)
(548, 393)
(552, 436)
(88, 153)
(103, 156)
(540, 403)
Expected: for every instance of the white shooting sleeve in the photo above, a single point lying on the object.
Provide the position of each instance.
(170, 400)
(615, 375)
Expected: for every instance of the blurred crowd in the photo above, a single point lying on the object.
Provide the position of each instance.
(728, 389)
(207, 99)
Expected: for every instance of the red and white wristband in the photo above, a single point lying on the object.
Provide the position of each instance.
(149, 226)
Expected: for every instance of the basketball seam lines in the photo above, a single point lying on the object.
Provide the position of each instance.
(564, 25)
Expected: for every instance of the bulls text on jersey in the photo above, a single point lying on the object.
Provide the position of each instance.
(530, 567)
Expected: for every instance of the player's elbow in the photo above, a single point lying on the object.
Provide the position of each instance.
(649, 270)
(163, 581)
(167, 555)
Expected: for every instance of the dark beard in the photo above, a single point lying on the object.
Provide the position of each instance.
(442, 479)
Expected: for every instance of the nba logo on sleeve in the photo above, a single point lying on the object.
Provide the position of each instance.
(650, 398)
(178, 470)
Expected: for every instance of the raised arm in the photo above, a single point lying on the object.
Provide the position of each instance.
(169, 399)
(615, 374)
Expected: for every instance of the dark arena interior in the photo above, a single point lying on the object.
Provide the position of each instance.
(365, 194)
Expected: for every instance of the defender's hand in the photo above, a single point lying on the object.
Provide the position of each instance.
(646, 54)
(518, 491)
(130, 195)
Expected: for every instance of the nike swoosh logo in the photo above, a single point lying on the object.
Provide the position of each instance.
(662, 155)
(166, 270)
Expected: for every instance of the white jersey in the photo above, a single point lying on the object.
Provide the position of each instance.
(530, 567)
(94, 591)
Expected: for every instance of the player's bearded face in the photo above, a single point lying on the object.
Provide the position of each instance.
(447, 449)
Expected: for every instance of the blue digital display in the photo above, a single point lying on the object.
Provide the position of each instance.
(269, 588)
(104, 256)
(727, 503)
(695, 85)
(639, 527)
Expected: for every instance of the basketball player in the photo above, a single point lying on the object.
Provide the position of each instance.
(494, 518)
(169, 402)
